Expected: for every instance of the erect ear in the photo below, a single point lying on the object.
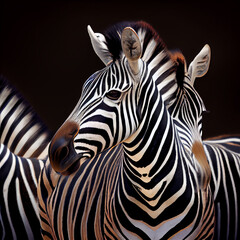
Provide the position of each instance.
(99, 45)
(132, 49)
(199, 66)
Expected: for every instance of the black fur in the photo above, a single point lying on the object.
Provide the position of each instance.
(179, 59)
(114, 41)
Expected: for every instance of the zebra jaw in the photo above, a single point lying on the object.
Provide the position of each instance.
(68, 165)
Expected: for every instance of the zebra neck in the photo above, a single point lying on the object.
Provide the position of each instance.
(152, 157)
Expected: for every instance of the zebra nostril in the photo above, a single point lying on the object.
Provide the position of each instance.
(63, 153)
(61, 149)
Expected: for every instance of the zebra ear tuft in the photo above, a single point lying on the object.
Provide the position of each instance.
(131, 47)
(199, 66)
(99, 45)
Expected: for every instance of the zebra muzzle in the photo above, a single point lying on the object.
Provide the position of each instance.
(62, 155)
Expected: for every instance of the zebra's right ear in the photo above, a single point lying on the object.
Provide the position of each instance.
(200, 64)
(100, 47)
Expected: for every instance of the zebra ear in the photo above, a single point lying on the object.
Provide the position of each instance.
(99, 45)
(131, 47)
(199, 66)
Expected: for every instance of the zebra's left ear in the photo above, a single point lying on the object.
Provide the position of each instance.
(132, 49)
(200, 64)
(99, 45)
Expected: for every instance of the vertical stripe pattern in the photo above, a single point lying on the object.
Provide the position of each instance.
(135, 178)
(22, 135)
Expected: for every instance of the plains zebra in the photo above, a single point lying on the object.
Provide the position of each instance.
(25, 135)
(222, 153)
(118, 167)
(21, 130)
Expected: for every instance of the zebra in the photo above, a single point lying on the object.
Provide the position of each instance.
(222, 152)
(117, 167)
(22, 135)
(187, 108)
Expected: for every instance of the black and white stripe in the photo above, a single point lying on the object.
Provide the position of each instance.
(19, 214)
(22, 135)
(128, 173)
(21, 130)
(222, 153)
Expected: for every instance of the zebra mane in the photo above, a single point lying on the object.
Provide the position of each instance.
(146, 34)
(179, 59)
(7, 87)
(9, 94)
(163, 66)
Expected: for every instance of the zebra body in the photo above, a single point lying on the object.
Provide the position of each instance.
(224, 155)
(123, 171)
(22, 135)
(19, 217)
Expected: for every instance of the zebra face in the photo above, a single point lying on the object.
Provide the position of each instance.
(188, 106)
(189, 110)
(107, 112)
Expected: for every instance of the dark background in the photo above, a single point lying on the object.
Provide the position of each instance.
(46, 53)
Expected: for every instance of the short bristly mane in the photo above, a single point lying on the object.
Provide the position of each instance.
(145, 32)
(154, 53)
(179, 59)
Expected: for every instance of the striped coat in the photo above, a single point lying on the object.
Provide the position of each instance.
(123, 171)
(22, 135)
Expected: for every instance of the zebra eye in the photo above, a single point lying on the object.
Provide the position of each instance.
(114, 95)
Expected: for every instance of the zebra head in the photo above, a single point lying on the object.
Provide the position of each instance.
(188, 106)
(108, 111)
(111, 105)
(113, 100)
